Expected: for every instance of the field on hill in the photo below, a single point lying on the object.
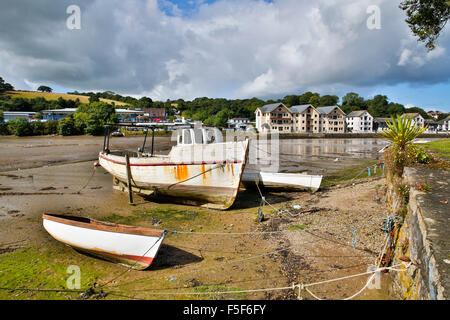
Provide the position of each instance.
(55, 96)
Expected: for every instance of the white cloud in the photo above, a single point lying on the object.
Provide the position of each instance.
(230, 48)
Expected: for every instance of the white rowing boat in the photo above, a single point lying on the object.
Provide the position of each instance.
(132, 246)
(296, 181)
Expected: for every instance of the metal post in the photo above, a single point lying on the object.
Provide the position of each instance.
(368, 171)
(130, 191)
(145, 140)
(153, 139)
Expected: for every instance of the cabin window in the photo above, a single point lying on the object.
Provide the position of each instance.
(187, 137)
(198, 136)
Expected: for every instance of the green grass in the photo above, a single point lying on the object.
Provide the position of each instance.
(440, 148)
(170, 218)
(40, 268)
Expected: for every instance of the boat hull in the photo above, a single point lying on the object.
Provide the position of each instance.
(130, 246)
(207, 175)
(289, 181)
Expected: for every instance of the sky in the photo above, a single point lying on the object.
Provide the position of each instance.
(235, 49)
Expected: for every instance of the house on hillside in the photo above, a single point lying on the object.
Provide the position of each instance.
(273, 117)
(434, 114)
(332, 119)
(359, 122)
(305, 119)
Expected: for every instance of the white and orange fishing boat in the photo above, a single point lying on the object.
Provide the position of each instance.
(199, 170)
(136, 247)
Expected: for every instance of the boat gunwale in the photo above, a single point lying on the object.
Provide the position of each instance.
(103, 226)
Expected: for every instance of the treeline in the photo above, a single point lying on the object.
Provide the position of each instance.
(216, 111)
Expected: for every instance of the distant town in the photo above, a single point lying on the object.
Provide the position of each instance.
(275, 117)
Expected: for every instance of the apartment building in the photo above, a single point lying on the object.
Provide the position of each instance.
(273, 117)
(332, 119)
(359, 122)
(305, 119)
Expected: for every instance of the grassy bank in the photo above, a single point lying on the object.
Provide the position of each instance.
(440, 148)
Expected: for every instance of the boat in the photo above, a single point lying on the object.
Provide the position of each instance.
(272, 180)
(135, 247)
(199, 170)
(276, 180)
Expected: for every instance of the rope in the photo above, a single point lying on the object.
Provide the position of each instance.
(89, 180)
(300, 286)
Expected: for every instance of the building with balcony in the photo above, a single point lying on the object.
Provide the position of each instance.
(305, 119)
(275, 117)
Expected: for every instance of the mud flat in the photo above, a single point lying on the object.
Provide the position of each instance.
(210, 257)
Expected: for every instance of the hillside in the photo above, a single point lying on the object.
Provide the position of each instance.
(54, 96)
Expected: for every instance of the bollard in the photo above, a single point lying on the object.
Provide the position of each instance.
(368, 171)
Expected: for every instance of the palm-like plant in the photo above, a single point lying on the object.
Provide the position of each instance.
(402, 131)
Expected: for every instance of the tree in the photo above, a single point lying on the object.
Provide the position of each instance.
(66, 126)
(426, 19)
(328, 100)
(93, 99)
(45, 89)
(291, 100)
(2, 118)
(20, 127)
(4, 86)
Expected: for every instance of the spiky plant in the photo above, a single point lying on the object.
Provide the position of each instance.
(402, 131)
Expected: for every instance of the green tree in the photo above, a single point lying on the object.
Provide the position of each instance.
(426, 19)
(291, 100)
(66, 126)
(2, 117)
(4, 86)
(20, 127)
(45, 89)
(328, 100)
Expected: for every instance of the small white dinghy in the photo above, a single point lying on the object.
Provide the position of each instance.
(132, 246)
(296, 181)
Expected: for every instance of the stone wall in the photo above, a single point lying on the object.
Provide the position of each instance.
(423, 239)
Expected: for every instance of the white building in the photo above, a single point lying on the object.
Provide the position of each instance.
(444, 125)
(417, 119)
(359, 122)
(239, 123)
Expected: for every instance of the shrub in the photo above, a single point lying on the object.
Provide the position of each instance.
(20, 127)
(66, 126)
(51, 127)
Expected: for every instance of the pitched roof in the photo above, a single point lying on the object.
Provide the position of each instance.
(356, 113)
(326, 110)
(271, 107)
(411, 115)
(300, 108)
